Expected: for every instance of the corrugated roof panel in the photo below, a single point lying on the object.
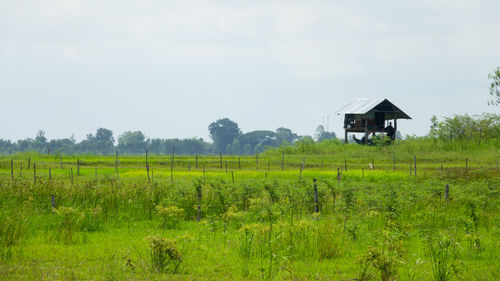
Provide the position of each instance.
(359, 106)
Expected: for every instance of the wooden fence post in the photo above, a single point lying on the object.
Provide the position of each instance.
(466, 164)
(172, 171)
(29, 162)
(147, 170)
(50, 174)
(345, 164)
(34, 173)
(198, 191)
(116, 161)
(12, 168)
(71, 175)
(226, 165)
(316, 204)
(338, 174)
(53, 201)
(173, 156)
(220, 159)
(446, 192)
(239, 163)
(78, 167)
(232, 175)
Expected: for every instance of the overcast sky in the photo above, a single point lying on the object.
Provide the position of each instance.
(170, 68)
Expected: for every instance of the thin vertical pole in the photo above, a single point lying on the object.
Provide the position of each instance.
(50, 174)
(34, 173)
(345, 164)
(226, 165)
(173, 156)
(338, 174)
(196, 161)
(446, 192)
(316, 196)
(12, 168)
(220, 160)
(172, 171)
(147, 171)
(466, 164)
(78, 166)
(60, 161)
(232, 175)
(415, 166)
(198, 191)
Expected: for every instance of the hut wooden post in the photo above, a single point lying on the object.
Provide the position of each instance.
(395, 126)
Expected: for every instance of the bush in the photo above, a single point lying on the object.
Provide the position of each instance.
(169, 216)
(164, 255)
(68, 222)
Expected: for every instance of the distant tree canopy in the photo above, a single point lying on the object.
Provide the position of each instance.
(463, 127)
(322, 135)
(223, 132)
(495, 87)
(226, 135)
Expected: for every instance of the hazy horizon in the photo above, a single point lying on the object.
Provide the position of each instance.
(170, 68)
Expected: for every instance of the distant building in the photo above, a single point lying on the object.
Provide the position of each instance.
(370, 116)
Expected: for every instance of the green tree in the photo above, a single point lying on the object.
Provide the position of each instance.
(223, 132)
(322, 135)
(132, 142)
(105, 143)
(495, 87)
(285, 135)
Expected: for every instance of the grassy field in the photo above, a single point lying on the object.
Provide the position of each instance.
(373, 218)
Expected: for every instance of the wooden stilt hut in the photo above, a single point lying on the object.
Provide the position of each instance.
(369, 116)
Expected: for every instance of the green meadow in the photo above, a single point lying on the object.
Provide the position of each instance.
(324, 211)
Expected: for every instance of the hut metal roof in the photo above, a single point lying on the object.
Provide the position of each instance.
(363, 106)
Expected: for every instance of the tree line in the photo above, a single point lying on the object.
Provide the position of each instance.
(227, 138)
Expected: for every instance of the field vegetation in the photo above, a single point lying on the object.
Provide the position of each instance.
(321, 211)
